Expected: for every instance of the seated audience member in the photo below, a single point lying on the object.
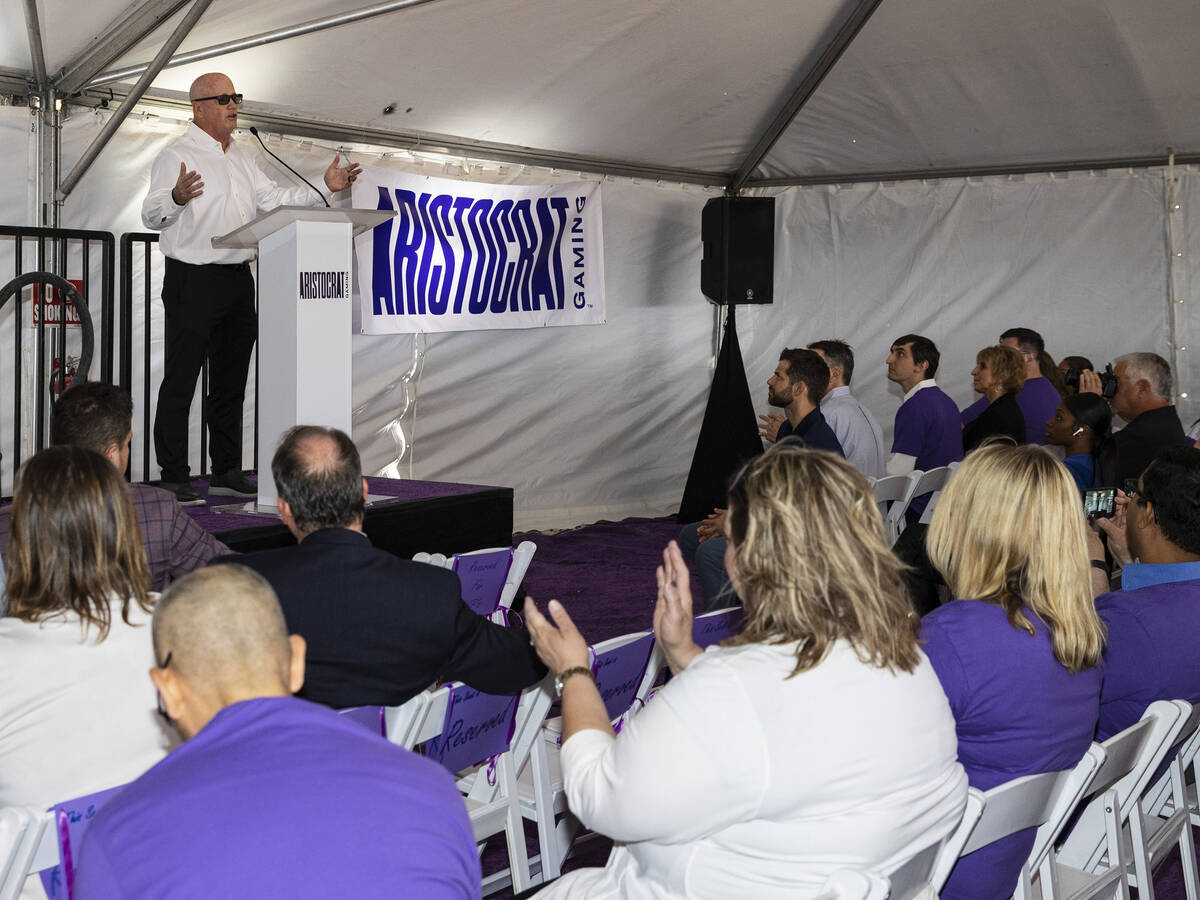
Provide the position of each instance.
(797, 385)
(927, 434)
(380, 629)
(998, 374)
(99, 417)
(1041, 391)
(1018, 658)
(1154, 620)
(1143, 401)
(817, 738)
(76, 714)
(1082, 427)
(1074, 364)
(270, 796)
(855, 428)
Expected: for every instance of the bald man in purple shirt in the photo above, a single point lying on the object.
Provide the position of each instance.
(270, 796)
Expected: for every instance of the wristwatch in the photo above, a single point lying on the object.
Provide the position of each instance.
(561, 678)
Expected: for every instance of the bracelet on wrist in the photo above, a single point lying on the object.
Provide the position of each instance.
(561, 678)
(1103, 567)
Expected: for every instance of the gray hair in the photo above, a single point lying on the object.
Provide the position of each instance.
(1150, 366)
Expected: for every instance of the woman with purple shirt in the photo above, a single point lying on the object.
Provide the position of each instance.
(1019, 661)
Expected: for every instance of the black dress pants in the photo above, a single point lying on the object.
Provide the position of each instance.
(209, 315)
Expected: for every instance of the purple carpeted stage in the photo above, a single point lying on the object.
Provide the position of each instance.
(404, 517)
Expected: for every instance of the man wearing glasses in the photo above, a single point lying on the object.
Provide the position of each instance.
(1153, 621)
(201, 186)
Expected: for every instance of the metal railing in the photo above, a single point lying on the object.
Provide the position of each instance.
(60, 252)
(130, 256)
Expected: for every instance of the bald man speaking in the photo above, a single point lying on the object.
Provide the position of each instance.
(202, 186)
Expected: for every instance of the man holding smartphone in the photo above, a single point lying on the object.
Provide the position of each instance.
(1153, 621)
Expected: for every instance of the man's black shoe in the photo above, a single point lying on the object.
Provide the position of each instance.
(231, 484)
(184, 493)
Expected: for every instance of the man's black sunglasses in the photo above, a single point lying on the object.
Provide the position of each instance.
(222, 99)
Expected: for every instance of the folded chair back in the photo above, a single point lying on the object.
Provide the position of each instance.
(70, 820)
(372, 718)
(714, 627)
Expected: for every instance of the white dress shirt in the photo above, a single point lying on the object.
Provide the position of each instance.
(235, 190)
(856, 429)
(739, 781)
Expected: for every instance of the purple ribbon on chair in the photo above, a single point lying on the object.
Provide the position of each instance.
(71, 820)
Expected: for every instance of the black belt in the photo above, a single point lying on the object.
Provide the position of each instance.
(243, 266)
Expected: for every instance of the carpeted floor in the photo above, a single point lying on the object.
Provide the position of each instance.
(604, 575)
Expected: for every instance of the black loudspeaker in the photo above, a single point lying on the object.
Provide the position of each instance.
(739, 249)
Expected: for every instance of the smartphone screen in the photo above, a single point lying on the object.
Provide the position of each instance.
(1099, 504)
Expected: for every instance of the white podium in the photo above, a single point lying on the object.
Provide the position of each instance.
(305, 263)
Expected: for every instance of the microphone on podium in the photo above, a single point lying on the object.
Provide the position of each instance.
(254, 131)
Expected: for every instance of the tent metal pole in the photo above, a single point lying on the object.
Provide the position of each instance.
(118, 40)
(342, 132)
(1033, 168)
(808, 85)
(35, 45)
(267, 37)
(119, 114)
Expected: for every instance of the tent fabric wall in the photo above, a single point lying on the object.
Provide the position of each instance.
(600, 421)
(1080, 258)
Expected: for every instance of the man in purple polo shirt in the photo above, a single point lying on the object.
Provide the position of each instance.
(271, 796)
(1039, 398)
(1154, 620)
(927, 433)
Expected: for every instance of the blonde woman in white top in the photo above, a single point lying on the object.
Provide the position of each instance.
(818, 738)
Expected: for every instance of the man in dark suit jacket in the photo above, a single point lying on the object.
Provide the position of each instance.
(380, 629)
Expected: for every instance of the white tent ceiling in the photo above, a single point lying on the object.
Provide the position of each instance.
(925, 86)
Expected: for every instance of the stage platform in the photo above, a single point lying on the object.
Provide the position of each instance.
(403, 517)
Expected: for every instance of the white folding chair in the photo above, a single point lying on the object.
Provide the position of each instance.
(1094, 860)
(914, 879)
(892, 494)
(1031, 801)
(854, 884)
(541, 784)
(927, 515)
(1160, 822)
(21, 830)
(499, 588)
(492, 804)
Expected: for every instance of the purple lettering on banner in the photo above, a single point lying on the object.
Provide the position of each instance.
(406, 254)
(481, 286)
(72, 819)
(477, 727)
(381, 276)
(439, 212)
(461, 205)
(619, 673)
(526, 244)
(502, 230)
(482, 576)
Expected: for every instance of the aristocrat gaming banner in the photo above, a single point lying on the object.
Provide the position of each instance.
(462, 255)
